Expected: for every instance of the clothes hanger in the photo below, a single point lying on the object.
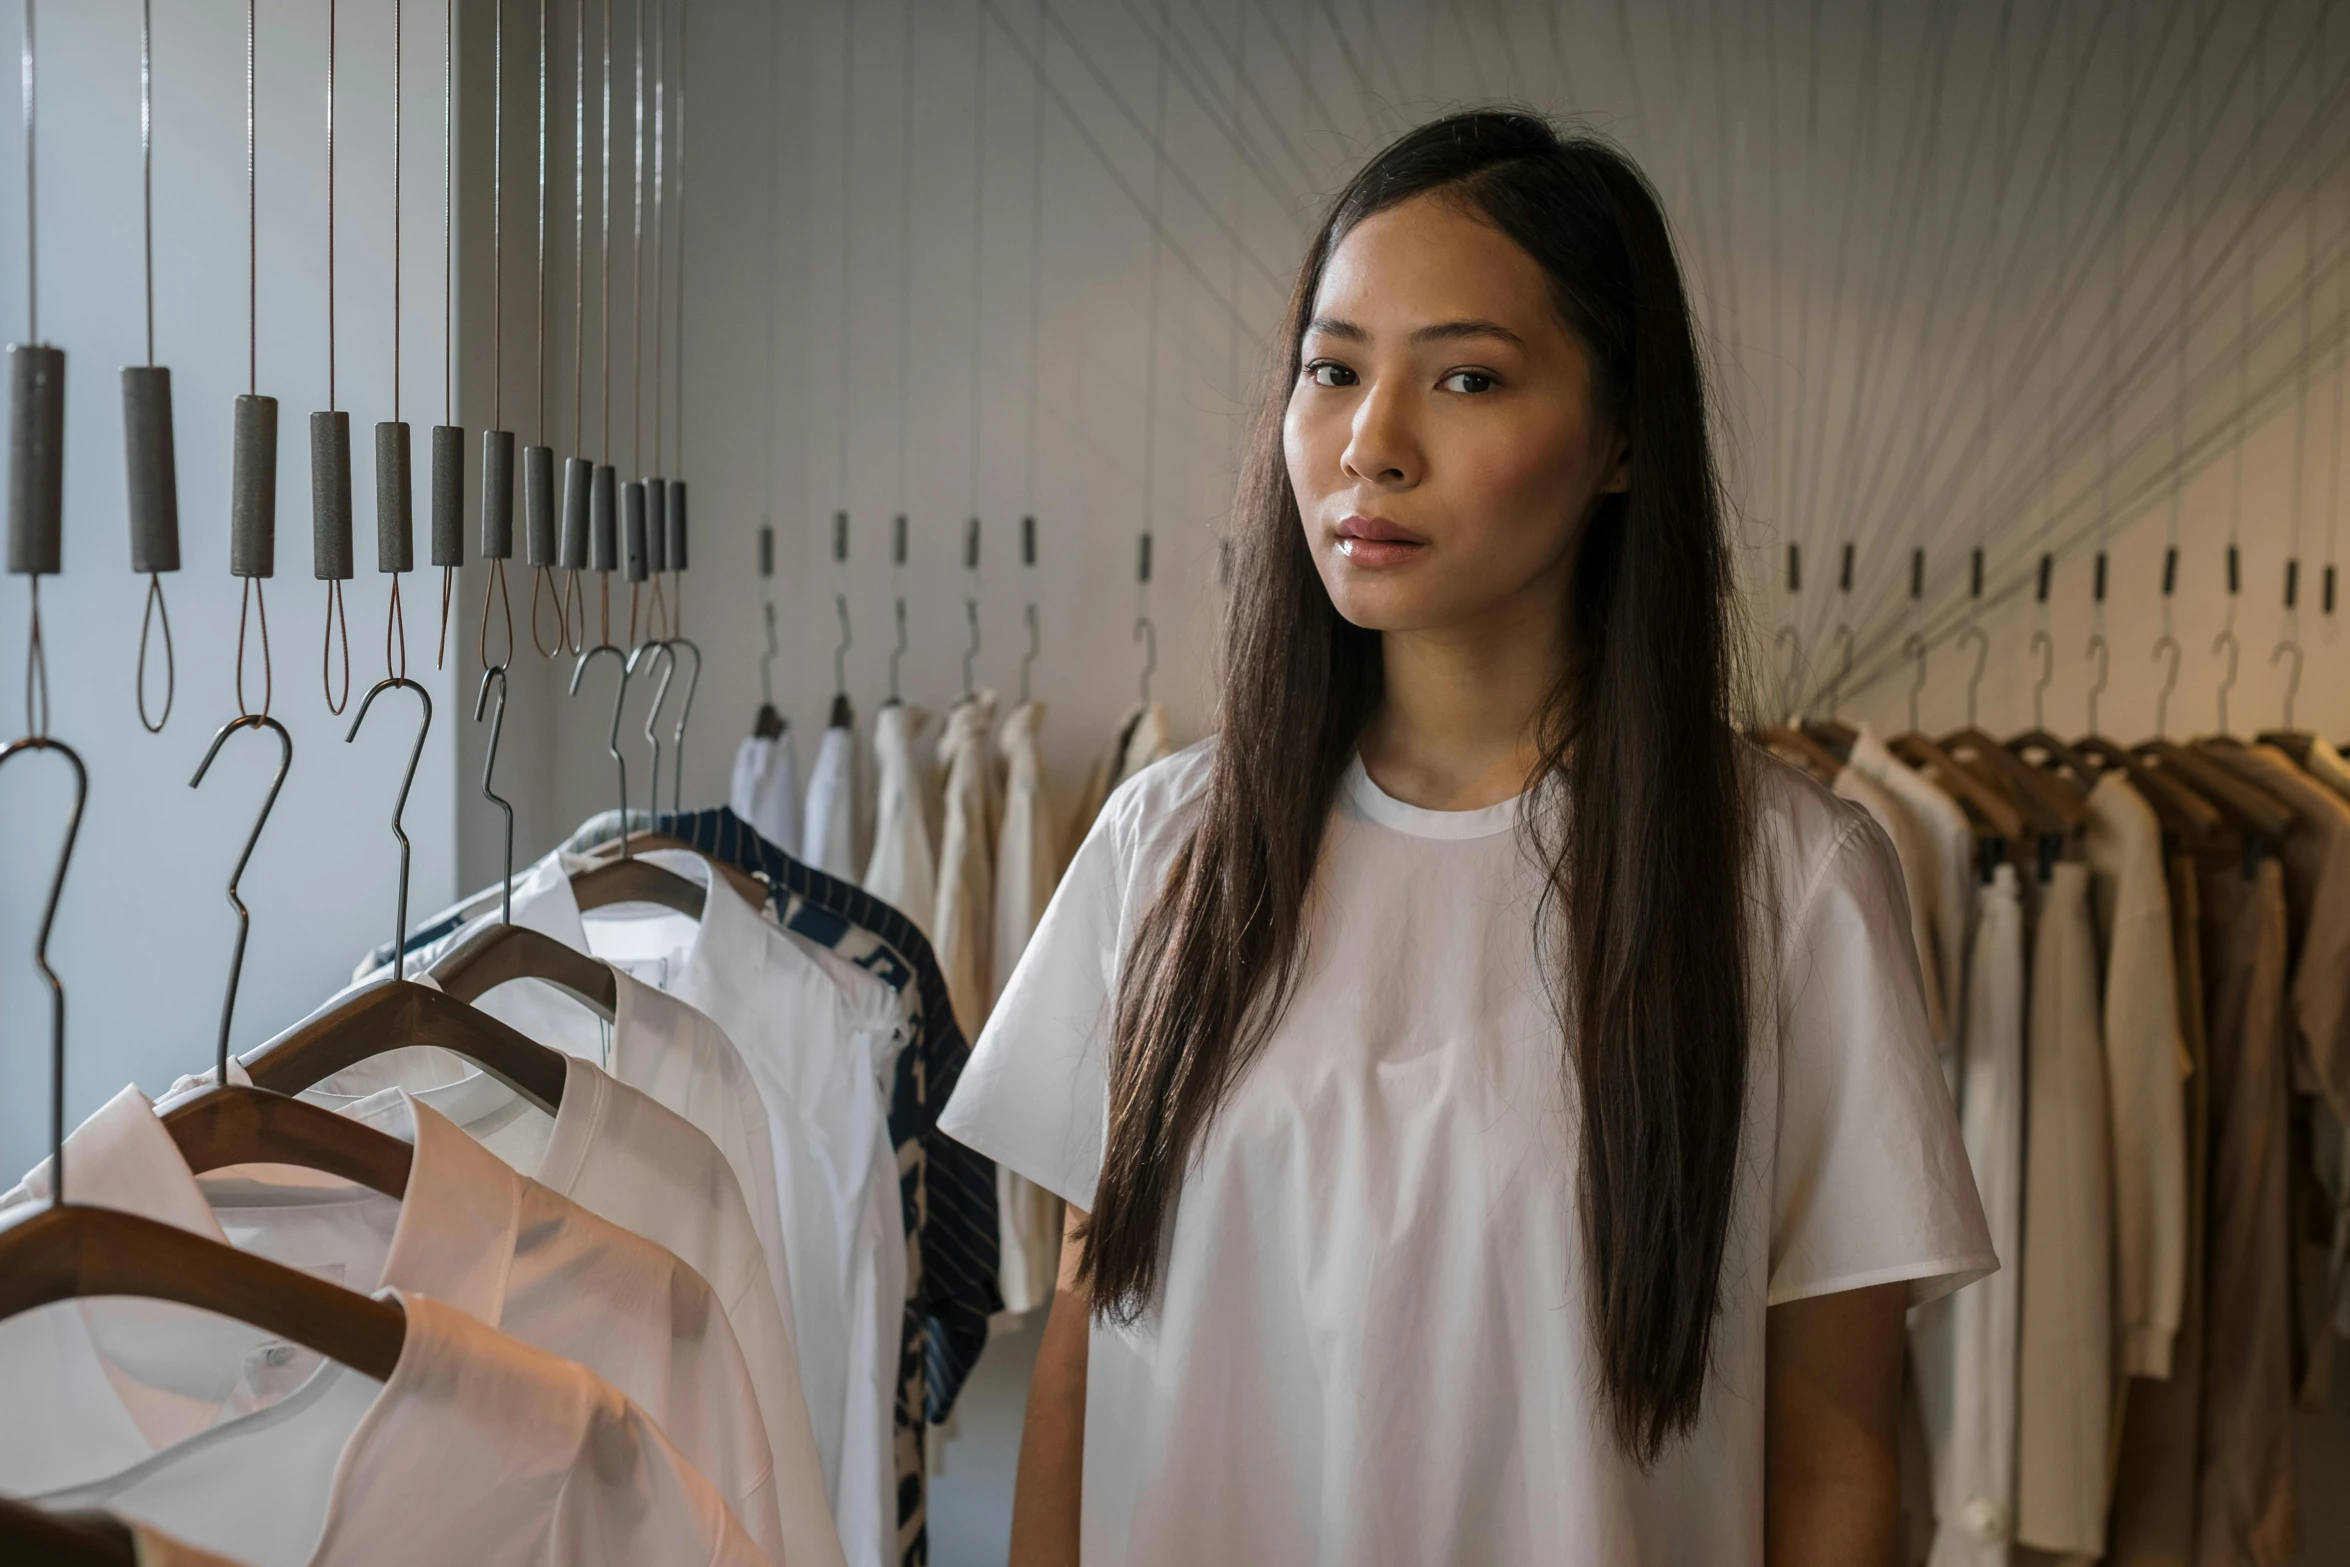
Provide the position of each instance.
(80, 1537)
(228, 1123)
(693, 683)
(769, 724)
(1831, 732)
(2293, 742)
(2037, 737)
(844, 714)
(2247, 806)
(2039, 798)
(627, 879)
(1984, 802)
(398, 1012)
(2184, 813)
(1788, 740)
(62, 1250)
(497, 953)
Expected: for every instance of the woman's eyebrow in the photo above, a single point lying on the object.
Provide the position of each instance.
(1452, 331)
(1334, 326)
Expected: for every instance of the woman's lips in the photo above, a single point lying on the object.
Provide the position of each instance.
(1375, 542)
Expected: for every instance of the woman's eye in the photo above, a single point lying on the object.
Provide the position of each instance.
(1470, 381)
(1324, 373)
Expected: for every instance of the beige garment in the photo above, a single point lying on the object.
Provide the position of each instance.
(1915, 851)
(2316, 855)
(965, 910)
(2064, 1404)
(2248, 1508)
(902, 871)
(2326, 765)
(1946, 879)
(1965, 1344)
(2145, 1062)
(153, 1548)
(1141, 740)
(1028, 867)
(2155, 1491)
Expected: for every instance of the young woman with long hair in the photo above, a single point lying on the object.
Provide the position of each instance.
(1494, 1102)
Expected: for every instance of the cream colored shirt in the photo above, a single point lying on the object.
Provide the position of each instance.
(903, 869)
(1947, 868)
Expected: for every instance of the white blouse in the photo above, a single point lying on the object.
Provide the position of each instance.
(1370, 1343)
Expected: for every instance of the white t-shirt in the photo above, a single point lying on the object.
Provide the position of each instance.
(480, 1449)
(1370, 1345)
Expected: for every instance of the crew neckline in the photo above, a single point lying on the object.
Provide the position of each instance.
(1418, 821)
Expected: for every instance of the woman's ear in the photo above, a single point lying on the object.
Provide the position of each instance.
(1619, 469)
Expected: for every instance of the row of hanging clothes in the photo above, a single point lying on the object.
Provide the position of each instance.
(2136, 961)
(950, 819)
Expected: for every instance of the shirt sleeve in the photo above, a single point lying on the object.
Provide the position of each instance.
(1035, 1095)
(1870, 1181)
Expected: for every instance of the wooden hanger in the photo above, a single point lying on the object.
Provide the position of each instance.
(752, 890)
(2182, 811)
(495, 954)
(399, 1013)
(2056, 750)
(66, 1251)
(2295, 743)
(1838, 737)
(2247, 807)
(81, 1537)
(627, 879)
(1985, 802)
(1802, 750)
(2053, 807)
(230, 1124)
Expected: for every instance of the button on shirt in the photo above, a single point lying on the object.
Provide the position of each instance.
(1368, 1346)
(468, 1231)
(480, 1449)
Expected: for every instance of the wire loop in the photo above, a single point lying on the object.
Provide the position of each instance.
(155, 609)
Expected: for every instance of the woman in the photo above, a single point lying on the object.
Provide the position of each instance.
(1495, 1104)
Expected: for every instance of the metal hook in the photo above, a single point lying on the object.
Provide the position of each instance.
(2293, 681)
(1982, 658)
(2170, 683)
(399, 806)
(612, 739)
(73, 828)
(840, 651)
(1148, 635)
(1028, 658)
(1914, 646)
(489, 765)
(1791, 640)
(2226, 639)
(236, 962)
(767, 660)
(693, 683)
(897, 652)
(647, 651)
(1843, 634)
(2098, 650)
(971, 617)
(2044, 645)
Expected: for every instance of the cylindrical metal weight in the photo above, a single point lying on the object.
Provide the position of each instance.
(497, 495)
(656, 526)
(153, 469)
(36, 459)
(395, 508)
(252, 503)
(330, 496)
(538, 505)
(448, 495)
(632, 529)
(579, 476)
(676, 525)
(604, 520)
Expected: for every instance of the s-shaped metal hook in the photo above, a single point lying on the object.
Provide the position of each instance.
(236, 962)
(489, 766)
(1974, 681)
(612, 738)
(2104, 656)
(2044, 645)
(2170, 683)
(73, 828)
(2293, 681)
(646, 652)
(399, 806)
(1914, 646)
(2226, 640)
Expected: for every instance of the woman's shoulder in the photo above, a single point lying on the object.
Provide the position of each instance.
(1805, 838)
(1161, 798)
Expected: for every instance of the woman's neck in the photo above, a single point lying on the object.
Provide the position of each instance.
(1456, 729)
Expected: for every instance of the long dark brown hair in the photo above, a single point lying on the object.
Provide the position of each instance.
(1646, 850)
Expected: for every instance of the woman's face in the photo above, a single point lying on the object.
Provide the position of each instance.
(1441, 436)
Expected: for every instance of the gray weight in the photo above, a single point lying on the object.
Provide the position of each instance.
(632, 528)
(36, 459)
(252, 503)
(578, 478)
(604, 520)
(152, 467)
(395, 505)
(538, 505)
(497, 495)
(676, 525)
(330, 496)
(448, 495)
(656, 526)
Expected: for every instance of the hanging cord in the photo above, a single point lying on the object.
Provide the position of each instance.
(155, 608)
(579, 227)
(32, 210)
(36, 660)
(448, 270)
(494, 581)
(250, 596)
(676, 547)
(978, 237)
(1150, 382)
(336, 613)
(844, 400)
(1036, 266)
(905, 249)
(393, 618)
(660, 231)
(636, 288)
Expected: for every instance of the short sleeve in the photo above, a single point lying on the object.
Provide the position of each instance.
(1035, 1095)
(1870, 1181)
